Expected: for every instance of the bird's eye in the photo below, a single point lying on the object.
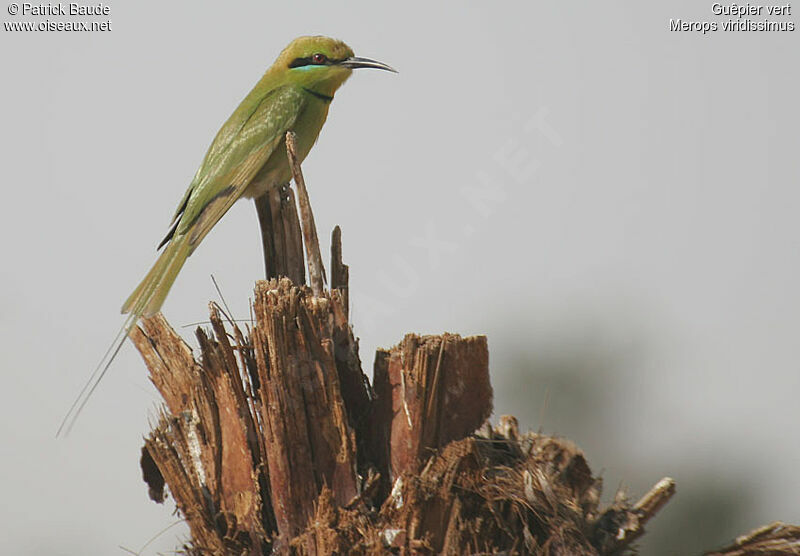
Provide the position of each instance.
(319, 58)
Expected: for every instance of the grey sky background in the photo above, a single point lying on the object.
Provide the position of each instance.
(614, 204)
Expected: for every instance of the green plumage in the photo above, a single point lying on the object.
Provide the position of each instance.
(248, 155)
(246, 158)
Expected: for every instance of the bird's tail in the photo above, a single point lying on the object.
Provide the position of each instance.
(148, 297)
(145, 301)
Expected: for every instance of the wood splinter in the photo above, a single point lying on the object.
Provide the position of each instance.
(316, 271)
(273, 440)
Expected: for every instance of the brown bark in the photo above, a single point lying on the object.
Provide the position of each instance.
(281, 237)
(316, 272)
(340, 272)
(771, 540)
(429, 391)
(259, 445)
(273, 439)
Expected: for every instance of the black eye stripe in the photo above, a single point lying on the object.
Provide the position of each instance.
(308, 61)
(299, 62)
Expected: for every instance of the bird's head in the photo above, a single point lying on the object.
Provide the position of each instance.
(321, 63)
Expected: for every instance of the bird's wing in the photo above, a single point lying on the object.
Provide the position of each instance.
(224, 137)
(223, 177)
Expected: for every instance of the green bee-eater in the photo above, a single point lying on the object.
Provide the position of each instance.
(246, 159)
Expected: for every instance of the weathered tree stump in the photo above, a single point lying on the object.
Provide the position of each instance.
(273, 439)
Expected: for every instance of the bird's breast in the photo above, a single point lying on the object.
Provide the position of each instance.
(276, 171)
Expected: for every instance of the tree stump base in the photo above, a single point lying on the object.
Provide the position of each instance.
(274, 440)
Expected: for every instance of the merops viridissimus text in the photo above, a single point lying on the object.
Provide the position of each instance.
(246, 159)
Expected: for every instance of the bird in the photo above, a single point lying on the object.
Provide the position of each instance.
(246, 159)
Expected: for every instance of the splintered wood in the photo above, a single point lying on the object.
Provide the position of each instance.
(255, 437)
(273, 440)
(307, 441)
(774, 539)
(430, 390)
(281, 237)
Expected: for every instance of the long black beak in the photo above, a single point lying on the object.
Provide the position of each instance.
(355, 62)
